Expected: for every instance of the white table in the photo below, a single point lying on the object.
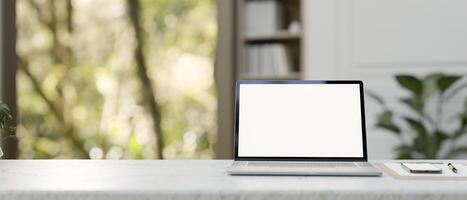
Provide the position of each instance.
(114, 180)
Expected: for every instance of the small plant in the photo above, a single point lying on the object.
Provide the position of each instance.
(428, 137)
(5, 130)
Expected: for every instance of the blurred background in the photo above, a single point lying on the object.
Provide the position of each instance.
(108, 79)
(154, 79)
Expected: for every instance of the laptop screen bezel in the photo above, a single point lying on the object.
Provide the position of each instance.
(327, 159)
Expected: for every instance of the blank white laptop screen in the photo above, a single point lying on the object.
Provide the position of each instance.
(299, 120)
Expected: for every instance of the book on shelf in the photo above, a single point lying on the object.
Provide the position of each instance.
(267, 60)
(263, 17)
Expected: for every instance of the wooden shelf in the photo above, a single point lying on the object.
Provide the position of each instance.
(290, 76)
(276, 37)
(290, 41)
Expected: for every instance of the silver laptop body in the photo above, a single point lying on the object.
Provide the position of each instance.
(300, 127)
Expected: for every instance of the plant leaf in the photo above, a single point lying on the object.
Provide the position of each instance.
(420, 146)
(405, 151)
(463, 123)
(411, 83)
(461, 131)
(4, 114)
(456, 152)
(417, 126)
(430, 85)
(440, 137)
(451, 93)
(385, 121)
(421, 140)
(376, 98)
(415, 103)
(437, 140)
(447, 81)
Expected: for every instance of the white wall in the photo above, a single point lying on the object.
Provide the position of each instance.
(372, 40)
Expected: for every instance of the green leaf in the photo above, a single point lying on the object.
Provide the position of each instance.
(428, 146)
(4, 108)
(456, 152)
(418, 127)
(376, 97)
(447, 81)
(436, 142)
(4, 114)
(7, 132)
(421, 146)
(463, 124)
(461, 130)
(411, 83)
(405, 151)
(440, 137)
(451, 93)
(415, 103)
(430, 85)
(385, 121)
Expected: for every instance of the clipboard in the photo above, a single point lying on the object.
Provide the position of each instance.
(395, 170)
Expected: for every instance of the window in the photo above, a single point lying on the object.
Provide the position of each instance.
(109, 79)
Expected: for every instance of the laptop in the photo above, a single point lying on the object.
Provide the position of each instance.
(300, 127)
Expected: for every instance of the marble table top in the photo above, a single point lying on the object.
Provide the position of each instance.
(181, 179)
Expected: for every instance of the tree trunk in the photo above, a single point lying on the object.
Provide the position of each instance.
(61, 54)
(148, 91)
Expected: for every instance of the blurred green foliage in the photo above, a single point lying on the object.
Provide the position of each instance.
(4, 115)
(6, 130)
(429, 137)
(77, 86)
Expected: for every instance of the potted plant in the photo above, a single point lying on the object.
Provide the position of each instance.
(5, 130)
(427, 137)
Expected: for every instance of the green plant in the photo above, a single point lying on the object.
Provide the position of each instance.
(5, 130)
(429, 137)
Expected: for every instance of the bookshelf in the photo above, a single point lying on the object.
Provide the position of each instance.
(233, 40)
(268, 39)
(276, 37)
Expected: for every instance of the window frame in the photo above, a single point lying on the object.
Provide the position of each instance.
(8, 65)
